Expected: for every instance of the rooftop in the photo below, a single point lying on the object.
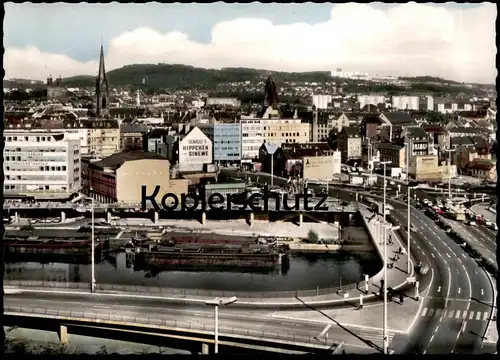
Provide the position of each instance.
(398, 118)
(116, 160)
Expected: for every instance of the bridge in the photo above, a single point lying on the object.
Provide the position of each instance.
(275, 212)
(196, 337)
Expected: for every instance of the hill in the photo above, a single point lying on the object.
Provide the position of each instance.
(188, 77)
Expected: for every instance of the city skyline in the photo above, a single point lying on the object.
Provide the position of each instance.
(375, 38)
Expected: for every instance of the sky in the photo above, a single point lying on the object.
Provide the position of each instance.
(453, 41)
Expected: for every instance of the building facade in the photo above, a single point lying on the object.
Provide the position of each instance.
(195, 151)
(405, 102)
(284, 131)
(370, 100)
(251, 138)
(349, 143)
(425, 168)
(40, 163)
(119, 178)
(394, 153)
(226, 140)
(216, 101)
(321, 102)
(131, 136)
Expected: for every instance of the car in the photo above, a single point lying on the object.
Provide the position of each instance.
(471, 223)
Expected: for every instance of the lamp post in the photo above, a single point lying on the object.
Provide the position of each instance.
(409, 208)
(92, 251)
(271, 149)
(370, 159)
(386, 343)
(449, 171)
(216, 303)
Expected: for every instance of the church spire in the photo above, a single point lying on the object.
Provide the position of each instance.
(101, 87)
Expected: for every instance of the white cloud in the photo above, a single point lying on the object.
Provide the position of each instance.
(408, 39)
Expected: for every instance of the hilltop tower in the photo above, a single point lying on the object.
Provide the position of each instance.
(101, 90)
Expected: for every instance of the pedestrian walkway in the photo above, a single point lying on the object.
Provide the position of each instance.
(458, 314)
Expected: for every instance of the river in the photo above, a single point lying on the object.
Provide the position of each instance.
(304, 273)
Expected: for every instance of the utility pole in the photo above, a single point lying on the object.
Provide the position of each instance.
(92, 251)
(408, 229)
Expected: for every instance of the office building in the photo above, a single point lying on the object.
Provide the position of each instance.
(41, 163)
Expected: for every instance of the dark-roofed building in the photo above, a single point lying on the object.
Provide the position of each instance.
(483, 169)
(418, 140)
(349, 143)
(439, 136)
(153, 138)
(393, 124)
(468, 142)
(120, 177)
(131, 136)
(394, 153)
(371, 125)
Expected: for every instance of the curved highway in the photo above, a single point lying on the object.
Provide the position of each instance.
(231, 321)
(459, 304)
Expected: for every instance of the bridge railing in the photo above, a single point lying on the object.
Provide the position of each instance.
(183, 292)
(156, 322)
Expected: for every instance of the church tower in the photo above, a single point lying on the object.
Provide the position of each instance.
(101, 91)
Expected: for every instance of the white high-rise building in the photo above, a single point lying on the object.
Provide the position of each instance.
(252, 138)
(41, 162)
(370, 100)
(321, 101)
(405, 102)
(430, 103)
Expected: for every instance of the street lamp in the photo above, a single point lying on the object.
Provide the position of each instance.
(386, 344)
(216, 303)
(92, 275)
(449, 171)
(407, 144)
(271, 149)
(370, 159)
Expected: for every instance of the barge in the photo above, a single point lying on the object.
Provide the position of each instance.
(46, 245)
(189, 255)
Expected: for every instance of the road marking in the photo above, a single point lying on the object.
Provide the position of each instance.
(471, 315)
(465, 314)
(432, 254)
(478, 315)
(424, 312)
(450, 313)
(459, 290)
(431, 312)
(432, 338)
(482, 292)
(457, 315)
(448, 255)
(485, 317)
(438, 312)
(439, 289)
(465, 257)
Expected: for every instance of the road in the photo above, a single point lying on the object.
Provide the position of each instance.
(453, 303)
(230, 321)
